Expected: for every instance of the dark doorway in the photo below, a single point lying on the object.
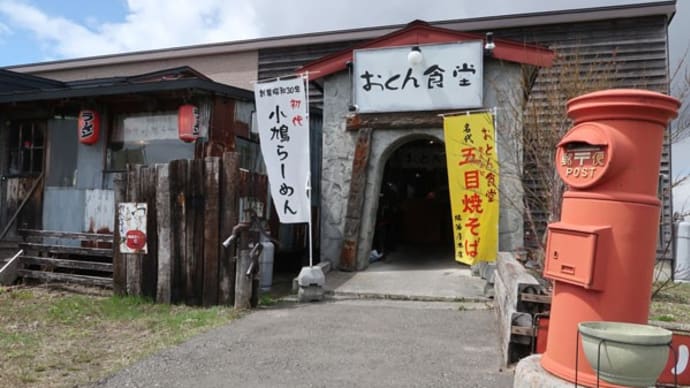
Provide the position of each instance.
(414, 205)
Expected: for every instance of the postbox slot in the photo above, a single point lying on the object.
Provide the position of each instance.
(584, 134)
(582, 146)
(571, 254)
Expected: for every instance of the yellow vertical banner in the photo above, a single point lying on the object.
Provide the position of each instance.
(473, 184)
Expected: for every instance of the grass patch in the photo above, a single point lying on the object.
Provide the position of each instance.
(672, 303)
(53, 338)
(664, 318)
(267, 300)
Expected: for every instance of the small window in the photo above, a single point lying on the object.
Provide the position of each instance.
(26, 145)
(147, 139)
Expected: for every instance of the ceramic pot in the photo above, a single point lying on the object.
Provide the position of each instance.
(630, 354)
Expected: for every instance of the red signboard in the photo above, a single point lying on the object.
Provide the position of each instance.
(678, 360)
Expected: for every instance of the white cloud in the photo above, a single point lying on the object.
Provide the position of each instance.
(291, 17)
(149, 24)
(153, 24)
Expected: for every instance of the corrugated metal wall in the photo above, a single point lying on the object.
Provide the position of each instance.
(280, 62)
(637, 48)
(632, 53)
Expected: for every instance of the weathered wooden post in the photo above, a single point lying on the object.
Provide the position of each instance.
(249, 248)
(229, 191)
(165, 257)
(133, 260)
(243, 283)
(119, 263)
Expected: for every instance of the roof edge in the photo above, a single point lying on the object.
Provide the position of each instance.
(419, 32)
(479, 23)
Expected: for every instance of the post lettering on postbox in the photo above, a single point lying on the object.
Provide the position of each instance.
(283, 126)
(581, 165)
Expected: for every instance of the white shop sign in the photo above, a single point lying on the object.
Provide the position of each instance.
(449, 76)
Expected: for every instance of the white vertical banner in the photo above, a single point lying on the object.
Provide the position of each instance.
(283, 126)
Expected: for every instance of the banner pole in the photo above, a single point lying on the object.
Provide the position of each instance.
(494, 110)
(305, 77)
(311, 249)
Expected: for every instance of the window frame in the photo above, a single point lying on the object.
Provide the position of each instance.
(16, 146)
(118, 119)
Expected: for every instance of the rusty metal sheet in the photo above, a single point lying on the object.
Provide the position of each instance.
(99, 211)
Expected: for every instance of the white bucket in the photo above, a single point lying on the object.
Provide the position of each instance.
(682, 270)
(266, 265)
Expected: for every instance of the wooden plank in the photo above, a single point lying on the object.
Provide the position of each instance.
(66, 235)
(67, 278)
(355, 201)
(385, 121)
(163, 213)
(522, 330)
(65, 263)
(119, 261)
(211, 229)
(188, 225)
(195, 234)
(149, 261)
(83, 251)
(535, 298)
(133, 260)
(178, 215)
(229, 191)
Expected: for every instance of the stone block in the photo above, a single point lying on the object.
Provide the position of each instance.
(510, 280)
(311, 281)
(310, 294)
(530, 374)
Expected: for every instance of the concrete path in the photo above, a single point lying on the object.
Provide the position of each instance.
(411, 274)
(346, 343)
(424, 322)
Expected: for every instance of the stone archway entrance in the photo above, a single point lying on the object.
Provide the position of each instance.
(404, 168)
(413, 212)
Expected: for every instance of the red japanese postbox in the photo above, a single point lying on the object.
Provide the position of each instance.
(601, 254)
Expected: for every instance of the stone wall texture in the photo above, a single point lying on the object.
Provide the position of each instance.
(503, 88)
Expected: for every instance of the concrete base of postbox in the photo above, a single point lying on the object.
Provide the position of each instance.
(530, 374)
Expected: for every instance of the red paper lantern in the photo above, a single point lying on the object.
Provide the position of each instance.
(89, 126)
(135, 240)
(188, 123)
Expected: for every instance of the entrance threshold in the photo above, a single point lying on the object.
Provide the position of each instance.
(411, 273)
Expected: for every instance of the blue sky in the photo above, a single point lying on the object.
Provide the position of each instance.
(46, 30)
(19, 44)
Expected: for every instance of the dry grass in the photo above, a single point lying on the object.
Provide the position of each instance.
(58, 338)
